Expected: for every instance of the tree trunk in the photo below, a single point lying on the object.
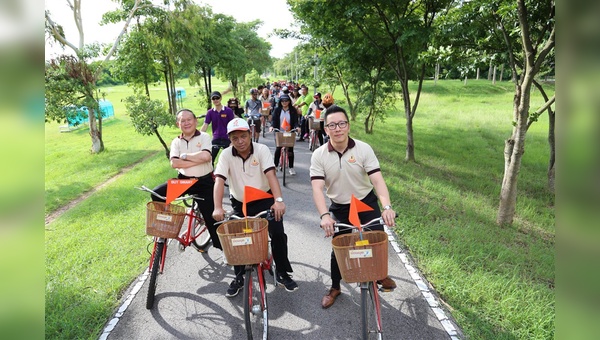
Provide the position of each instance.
(494, 76)
(173, 90)
(465, 81)
(514, 149)
(167, 151)
(477, 74)
(552, 144)
(490, 71)
(97, 144)
(168, 84)
(501, 71)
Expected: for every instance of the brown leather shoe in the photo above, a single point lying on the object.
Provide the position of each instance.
(329, 299)
(387, 283)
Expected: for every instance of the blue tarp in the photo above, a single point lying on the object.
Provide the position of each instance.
(180, 91)
(77, 116)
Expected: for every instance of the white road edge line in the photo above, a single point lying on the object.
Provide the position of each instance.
(423, 286)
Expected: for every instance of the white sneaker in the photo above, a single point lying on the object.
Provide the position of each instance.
(292, 172)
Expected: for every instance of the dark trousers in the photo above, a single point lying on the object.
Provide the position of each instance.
(276, 232)
(303, 127)
(218, 144)
(204, 189)
(290, 157)
(340, 213)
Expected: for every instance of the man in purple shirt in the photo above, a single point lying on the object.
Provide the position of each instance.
(218, 116)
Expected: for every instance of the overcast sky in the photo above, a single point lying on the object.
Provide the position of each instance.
(273, 13)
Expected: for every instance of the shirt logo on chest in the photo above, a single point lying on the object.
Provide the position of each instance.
(254, 162)
(351, 160)
(199, 145)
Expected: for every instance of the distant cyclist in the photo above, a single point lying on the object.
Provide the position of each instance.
(234, 105)
(218, 116)
(252, 109)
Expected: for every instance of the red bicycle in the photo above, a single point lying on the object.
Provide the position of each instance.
(243, 244)
(183, 223)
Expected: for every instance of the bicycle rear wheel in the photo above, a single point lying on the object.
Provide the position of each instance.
(255, 304)
(313, 140)
(370, 312)
(158, 253)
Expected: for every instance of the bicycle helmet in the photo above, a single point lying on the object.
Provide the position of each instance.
(233, 100)
(253, 91)
(328, 100)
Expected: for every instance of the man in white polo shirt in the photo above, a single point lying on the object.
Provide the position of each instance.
(346, 167)
(245, 163)
(191, 156)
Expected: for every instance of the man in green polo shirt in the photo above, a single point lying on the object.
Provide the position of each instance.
(302, 105)
(345, 167)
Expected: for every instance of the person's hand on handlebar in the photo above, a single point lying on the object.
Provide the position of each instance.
(218, 214)
(388, 217)
(278, 209)
(327, 223)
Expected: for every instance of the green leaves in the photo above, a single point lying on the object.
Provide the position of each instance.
(148, 115)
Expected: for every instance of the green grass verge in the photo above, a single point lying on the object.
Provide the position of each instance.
(499, 282)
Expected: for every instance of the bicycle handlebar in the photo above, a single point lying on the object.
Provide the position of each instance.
(229, 215)
(373, 222)
(154, 193)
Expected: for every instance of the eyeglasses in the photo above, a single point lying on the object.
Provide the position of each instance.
(215, 98)
(342, 125)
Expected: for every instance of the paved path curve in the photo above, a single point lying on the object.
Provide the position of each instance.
(191, 303)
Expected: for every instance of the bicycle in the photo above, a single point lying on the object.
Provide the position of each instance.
(165, 221)
(313, 136)
(362, 258)
(284, 140)
(251, 121)
(250, 247)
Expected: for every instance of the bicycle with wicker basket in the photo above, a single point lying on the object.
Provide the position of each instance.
(285, 140)
(166, 221)
(363, 258)
(245, 242)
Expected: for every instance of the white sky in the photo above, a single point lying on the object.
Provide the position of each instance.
(273, 13)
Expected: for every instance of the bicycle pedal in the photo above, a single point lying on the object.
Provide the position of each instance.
(386, 290)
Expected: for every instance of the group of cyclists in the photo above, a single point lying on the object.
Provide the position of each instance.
(245, 162)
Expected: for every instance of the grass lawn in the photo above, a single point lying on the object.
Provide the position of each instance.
(499, 282)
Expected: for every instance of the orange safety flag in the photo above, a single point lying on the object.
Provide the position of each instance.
(252, 194)
(176, 187)
(266, 105)
(285, 126)
(357, 206)
(318, 114)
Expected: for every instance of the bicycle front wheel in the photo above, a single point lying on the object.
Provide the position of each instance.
(371, 312)
(158, 253)
(284, 160)
(201, 234)
(255, 304)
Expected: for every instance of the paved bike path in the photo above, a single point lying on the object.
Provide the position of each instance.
(191, 304)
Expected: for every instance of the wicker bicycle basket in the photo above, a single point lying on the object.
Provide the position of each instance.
(287, 139)
(365, 262)
(164, 220)
(245, 241)
(315, 124)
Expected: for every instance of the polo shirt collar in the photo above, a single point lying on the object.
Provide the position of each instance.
(196, 133)
(236, 154)
(351, 144)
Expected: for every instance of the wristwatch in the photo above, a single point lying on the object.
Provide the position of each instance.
(387, 207)
(279, 199)
(183, 156)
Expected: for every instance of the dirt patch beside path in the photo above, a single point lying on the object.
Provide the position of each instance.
(58, 212)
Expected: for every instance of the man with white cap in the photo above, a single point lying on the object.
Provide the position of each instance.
(245, 163)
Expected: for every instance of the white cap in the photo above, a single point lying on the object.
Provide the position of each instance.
(237, 124)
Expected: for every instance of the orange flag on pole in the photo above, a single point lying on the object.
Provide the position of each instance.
(285, 126)
(357, 206)
(176, 187)
(253, 194)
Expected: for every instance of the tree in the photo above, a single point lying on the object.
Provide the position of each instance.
(148, 115)
(73, 77)
(399, 30)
